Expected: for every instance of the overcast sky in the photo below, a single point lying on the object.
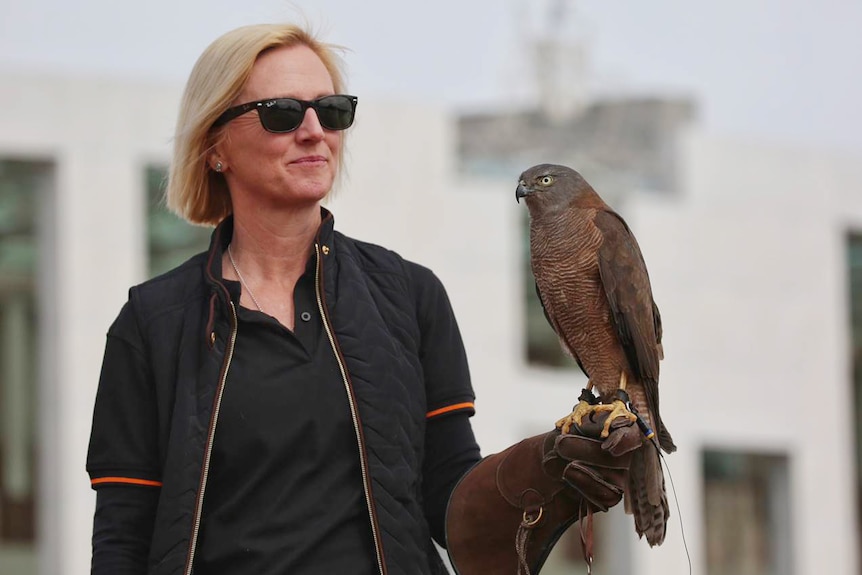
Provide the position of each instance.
(781, 70)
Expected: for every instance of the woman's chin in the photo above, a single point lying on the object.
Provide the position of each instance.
(306, 196)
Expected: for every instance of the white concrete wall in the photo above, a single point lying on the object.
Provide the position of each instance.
(747, 267)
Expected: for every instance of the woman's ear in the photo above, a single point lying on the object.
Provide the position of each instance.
(215, 163)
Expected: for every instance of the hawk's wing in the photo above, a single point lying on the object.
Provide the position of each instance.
(627, 287)
(634, 313)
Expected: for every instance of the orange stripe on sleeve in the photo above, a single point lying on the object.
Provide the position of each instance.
(127, 480)
(448, 408)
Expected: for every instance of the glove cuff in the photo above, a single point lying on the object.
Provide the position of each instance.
(506, 514)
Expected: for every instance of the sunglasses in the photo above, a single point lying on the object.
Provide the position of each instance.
(281, 115)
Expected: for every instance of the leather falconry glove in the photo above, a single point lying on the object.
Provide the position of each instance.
(508, 511)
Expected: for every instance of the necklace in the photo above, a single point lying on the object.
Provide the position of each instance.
(241, 280)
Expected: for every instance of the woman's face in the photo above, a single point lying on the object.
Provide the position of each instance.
(289, 170)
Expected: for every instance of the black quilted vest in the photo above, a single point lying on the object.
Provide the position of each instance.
(371, 306)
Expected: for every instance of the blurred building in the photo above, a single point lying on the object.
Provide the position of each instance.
(751, 250)
(631, 142)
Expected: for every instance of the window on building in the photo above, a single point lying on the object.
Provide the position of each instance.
(747, 513)
(854, 261)
(171, 240)
(20, 204)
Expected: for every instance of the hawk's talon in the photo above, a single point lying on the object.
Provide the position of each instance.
(576, 416)
(617, 409)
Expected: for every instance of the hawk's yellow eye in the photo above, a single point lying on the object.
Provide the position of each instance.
(546, 180)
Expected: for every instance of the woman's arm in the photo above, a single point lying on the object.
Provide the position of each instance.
(123, 458)
(122, 529)
(450, 446)
(450, 451)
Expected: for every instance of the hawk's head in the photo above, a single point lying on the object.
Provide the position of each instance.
(548, 185)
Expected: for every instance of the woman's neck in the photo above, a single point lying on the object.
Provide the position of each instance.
(275, 246)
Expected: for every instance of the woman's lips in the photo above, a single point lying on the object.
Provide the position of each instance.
(309, 160)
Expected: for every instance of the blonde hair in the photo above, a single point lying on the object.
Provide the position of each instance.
(195, 192)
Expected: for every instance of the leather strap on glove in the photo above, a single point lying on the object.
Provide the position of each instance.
(508, 511)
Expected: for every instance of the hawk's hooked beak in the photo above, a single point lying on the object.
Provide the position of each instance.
(522, 191)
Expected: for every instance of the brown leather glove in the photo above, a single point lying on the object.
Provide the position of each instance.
(508, 511)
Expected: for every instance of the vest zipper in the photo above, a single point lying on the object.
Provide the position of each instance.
(363, 463)
(208, 449)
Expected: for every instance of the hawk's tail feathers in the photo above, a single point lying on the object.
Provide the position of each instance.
(646, 499)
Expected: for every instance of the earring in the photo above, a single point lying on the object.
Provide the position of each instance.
(219, 167)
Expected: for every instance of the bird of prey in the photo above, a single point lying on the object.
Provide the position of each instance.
(593, 284)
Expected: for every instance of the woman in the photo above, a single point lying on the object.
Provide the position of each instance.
(292, 400)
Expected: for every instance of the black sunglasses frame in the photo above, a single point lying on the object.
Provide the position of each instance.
(269, 103)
